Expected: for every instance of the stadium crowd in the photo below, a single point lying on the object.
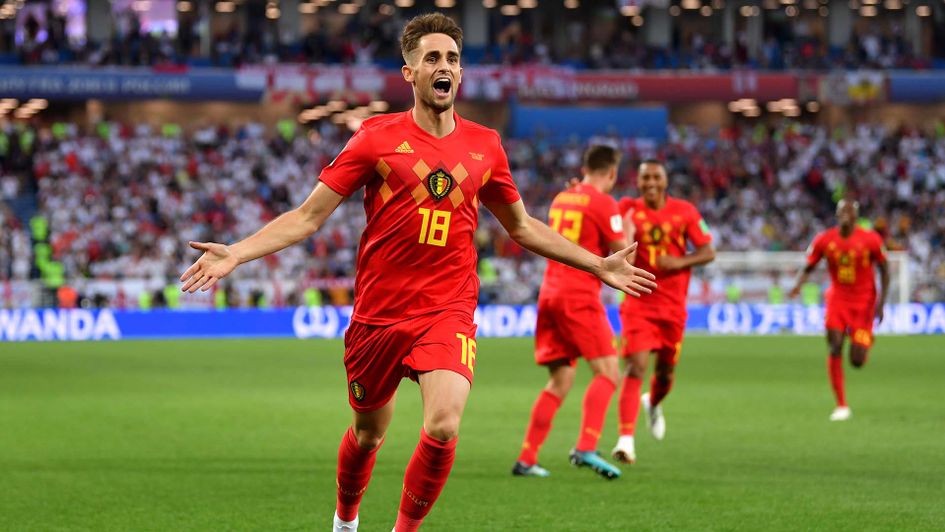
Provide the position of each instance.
(121, 201)
(595, 39)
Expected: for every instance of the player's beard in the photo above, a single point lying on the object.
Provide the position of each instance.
(428, 98)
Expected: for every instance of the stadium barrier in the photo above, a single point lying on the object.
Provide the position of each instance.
(330, 322)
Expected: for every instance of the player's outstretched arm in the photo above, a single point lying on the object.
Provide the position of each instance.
(884, 289)
(533, 235)
(218, 260)
(801, 279)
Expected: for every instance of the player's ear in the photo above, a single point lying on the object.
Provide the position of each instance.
(407, 73)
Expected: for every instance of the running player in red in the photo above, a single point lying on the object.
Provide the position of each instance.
(673, 238)
(424, 172)
(572, 322)
(852, 305)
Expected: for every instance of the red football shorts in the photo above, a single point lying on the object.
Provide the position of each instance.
(377, 357)
(854, 318)
(650, 333)
(568, 329)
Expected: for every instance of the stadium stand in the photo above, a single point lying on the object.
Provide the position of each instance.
(119, 200)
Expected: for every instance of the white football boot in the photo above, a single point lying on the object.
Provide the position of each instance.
(841, 413)
(344, 526)
(624, 450)
(654, 416)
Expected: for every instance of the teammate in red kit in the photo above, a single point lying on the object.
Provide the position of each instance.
(852, 302)
(424, 172)
(572, 322)
(673, 238)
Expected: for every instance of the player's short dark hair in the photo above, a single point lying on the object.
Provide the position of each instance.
(422, 25)
(652, 160)
(600, 157)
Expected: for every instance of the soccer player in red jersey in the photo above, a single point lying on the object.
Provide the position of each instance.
(572, 321)
(673, 238)
(424, 172)
(852, 302)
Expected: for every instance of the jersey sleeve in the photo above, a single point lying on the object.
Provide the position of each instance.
(697, 231)
(352, 168)
(499, 188)
(607, 216)
(816, 249)
(625, 204)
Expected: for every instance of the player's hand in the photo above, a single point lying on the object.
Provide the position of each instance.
(668, 263)
(573, 182)
(796, 291)
(617, 271)
(880, 313)
(216, 263)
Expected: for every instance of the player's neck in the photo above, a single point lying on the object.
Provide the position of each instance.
(655, 205)
(846, 231)
(599, 184)
(438, 124)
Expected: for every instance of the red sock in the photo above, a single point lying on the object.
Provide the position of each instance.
(543, 413)
(354, 472)
(426, 475)
(596, 401)
(835, 370)
(659, 389)
(629, 405)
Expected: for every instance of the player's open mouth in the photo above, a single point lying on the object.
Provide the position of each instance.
(442, 86)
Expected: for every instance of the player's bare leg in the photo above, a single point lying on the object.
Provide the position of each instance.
(664, 375)
(596, 401)
(356, 458)
(629, 406)
(444, 399)
(560, 380)
(858, 355)
(835, 339)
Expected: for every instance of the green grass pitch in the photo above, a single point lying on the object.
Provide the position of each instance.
(243, 435)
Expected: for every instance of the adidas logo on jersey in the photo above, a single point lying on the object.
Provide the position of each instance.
(404, 148)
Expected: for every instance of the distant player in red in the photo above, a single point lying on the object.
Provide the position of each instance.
(672, 238)
(852, 302)
(572, 322)
(424, 172)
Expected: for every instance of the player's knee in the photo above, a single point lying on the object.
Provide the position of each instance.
(636, 371)
(858, 359)
(368, 439)
(443, 425)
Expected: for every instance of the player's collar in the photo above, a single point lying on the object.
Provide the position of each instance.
(416, 127)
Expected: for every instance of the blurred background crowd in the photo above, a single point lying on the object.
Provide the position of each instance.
(121, 201)
(708, 35)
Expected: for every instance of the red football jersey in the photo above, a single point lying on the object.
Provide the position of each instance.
(664, 232)
(422, 203)
(589, 218)
(850, 261)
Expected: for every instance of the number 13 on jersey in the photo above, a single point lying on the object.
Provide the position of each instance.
(567, 223)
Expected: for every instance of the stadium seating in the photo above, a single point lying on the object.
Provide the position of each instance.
(121, 201)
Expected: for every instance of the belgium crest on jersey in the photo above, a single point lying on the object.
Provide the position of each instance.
(357, 391)
(439, 183)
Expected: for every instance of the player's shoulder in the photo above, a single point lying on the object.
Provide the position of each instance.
(681, 205)
(474, 130)
(380, 123)
(831, 233)
(628, 202)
